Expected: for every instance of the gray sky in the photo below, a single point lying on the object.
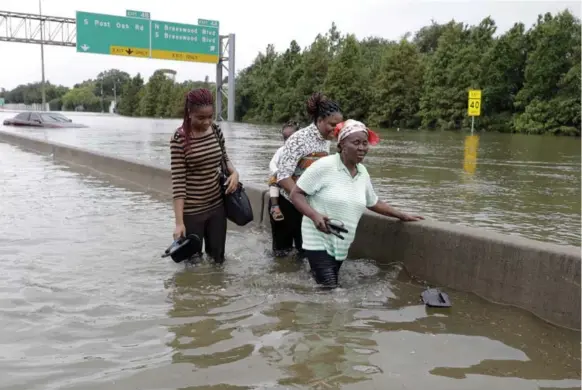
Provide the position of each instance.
(256, 23)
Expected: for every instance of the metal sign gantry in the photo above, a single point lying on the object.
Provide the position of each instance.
(58, 31)
(38, 29)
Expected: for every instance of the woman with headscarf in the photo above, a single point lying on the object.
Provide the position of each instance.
(301, 149)
(336, 190)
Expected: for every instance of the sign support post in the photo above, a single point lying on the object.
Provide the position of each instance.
(226, 62)
(231, 78)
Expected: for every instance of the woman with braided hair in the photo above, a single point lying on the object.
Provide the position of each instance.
(334, 192)
(197, 150)
(301, 149)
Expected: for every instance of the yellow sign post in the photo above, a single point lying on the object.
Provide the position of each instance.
(474, 105)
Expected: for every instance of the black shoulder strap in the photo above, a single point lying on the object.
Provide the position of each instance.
(217, 133)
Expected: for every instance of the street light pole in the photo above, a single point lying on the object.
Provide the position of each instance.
(42, 86)
(115, 95)
(102, 94)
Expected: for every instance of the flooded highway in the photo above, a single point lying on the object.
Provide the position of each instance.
(87, 303)
(522, 185)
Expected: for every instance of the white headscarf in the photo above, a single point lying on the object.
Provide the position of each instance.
(350, 127)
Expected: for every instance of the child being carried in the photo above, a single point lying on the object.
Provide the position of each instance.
(288, 129)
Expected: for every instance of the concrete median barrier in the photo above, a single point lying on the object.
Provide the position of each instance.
(542, 278)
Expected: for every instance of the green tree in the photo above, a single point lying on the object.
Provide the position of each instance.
(550, 97)
(129, 103)
(152, 98)
(399, 85)
(164, 107)
(113, 81)
(284, 79)
(311, 74)
(31, 93)
(440, 103)
(347, 82)
(502, 77)
(82, 97)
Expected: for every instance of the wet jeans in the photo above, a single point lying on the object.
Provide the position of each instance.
(210, 226)
(324, 268)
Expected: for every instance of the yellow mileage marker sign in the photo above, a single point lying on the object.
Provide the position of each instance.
(474, 104)
(129, 51)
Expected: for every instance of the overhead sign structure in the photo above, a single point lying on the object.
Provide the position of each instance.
(139, 36)
(474, 104)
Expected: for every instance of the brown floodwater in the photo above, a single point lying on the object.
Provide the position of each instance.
(87, 303)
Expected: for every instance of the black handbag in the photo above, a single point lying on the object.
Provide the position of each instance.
(237, 204)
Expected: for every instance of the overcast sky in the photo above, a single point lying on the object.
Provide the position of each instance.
(256, 23)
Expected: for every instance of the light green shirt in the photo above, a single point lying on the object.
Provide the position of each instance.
(334, 193)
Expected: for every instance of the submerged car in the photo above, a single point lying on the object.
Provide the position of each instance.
(41, 119)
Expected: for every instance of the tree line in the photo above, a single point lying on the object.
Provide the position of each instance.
(161, 96)
(530, 80)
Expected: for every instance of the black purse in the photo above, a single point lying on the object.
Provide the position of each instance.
(237, 204)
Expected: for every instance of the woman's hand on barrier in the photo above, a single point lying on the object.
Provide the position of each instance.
(320, 222)
(231, 182)
(179, 231)
(410, 218)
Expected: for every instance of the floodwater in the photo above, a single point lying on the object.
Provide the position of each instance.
(520, 185)
(87, 303)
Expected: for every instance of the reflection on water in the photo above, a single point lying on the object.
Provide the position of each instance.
(523, 185)
(87, 303)
(470, 161)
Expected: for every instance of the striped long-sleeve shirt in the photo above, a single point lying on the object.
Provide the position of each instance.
(195, 170)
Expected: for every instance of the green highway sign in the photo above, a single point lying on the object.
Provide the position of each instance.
(137, 36)
(184, 42)
(116, 35)
(1, 101)
(137, 14)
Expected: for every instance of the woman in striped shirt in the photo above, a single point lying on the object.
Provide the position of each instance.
(196, 154)
(338, 187)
